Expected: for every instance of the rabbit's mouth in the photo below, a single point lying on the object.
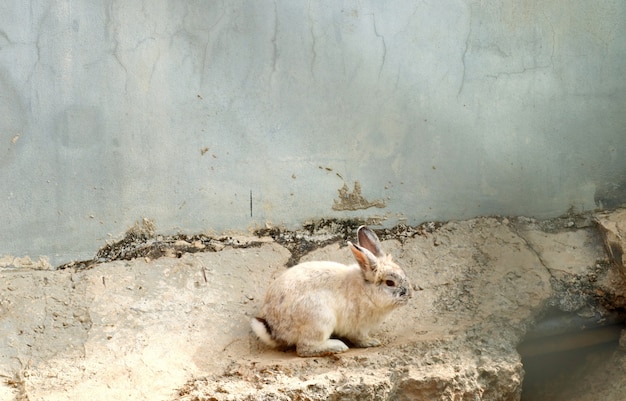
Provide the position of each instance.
(403, 296)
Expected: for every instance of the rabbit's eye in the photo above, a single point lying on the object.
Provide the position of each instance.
(390, 283)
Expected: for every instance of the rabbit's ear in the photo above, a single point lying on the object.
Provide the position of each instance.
(366, 260)
(368, 240)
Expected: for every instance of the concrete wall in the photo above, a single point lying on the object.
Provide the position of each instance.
(183, 111)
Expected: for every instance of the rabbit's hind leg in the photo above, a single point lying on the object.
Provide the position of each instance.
(327, 347)
(364, 342)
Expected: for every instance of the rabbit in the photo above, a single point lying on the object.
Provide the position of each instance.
(311, 301)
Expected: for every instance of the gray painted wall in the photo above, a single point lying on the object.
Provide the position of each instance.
(180, 110)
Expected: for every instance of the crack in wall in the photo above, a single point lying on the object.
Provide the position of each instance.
(206, 51)
(522, 71)
(274, 43)
(464, 55)
(382, 39)
(115, 51)
(539, 59)
(313, 42)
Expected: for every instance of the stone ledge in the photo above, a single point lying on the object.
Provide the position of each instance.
(613, 228)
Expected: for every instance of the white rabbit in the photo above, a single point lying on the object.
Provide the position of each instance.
(310, 302)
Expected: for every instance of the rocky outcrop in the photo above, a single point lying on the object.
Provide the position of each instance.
(613, 228)
(177, 327)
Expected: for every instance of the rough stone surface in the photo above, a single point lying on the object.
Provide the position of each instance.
(177, 328)
(613, 228)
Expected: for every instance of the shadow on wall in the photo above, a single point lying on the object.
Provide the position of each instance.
(611, 195)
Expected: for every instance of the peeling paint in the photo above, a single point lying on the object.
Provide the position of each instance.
(354, 200)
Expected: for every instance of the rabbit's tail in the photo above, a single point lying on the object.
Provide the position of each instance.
(263, 330)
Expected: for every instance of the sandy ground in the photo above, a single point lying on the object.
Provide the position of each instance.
(176, 327)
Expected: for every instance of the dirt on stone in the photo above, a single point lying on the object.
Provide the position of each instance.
(158, 317)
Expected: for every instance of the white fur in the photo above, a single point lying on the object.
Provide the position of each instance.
(260, 330)
(310, 302)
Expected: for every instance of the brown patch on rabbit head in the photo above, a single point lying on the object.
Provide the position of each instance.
(393, 280)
